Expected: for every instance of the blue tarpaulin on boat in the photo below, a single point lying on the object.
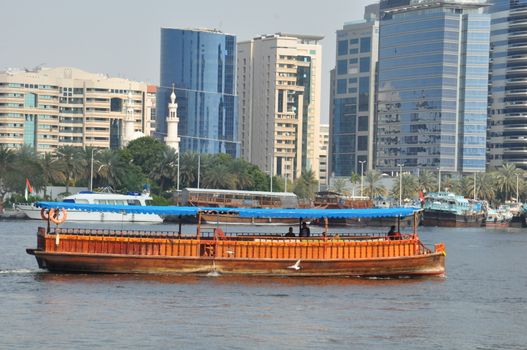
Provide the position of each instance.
(242, 212)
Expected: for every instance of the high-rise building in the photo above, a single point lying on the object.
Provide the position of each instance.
(352, 106)
(149, 123)
(323, 176)
(201, 65)
(432, 85)
(46, 108)
(279, 77)
(507, 136)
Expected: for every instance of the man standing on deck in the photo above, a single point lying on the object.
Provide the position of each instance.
(304, 231)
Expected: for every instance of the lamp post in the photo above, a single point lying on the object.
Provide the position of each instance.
(474, 185)
(517, 188)
(361, 176)
(178, 152)
(199, 166)
(271, 175)
(439, 180)
(400, 165)
(91, 170)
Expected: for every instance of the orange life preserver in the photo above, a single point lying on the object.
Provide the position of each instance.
(55, 216)
(44, 214)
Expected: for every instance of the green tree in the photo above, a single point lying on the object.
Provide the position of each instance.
(164, 171)
(146, 152)
(7, 170)
(506, 180)
(372, 186)
(306, 184)
(427, 181)
(239, 168)
(339, 185)
(485, 186)
(188, 169)
(72, 164)
(51, 171)
(218, 176)
(410, 186)
(355, 179)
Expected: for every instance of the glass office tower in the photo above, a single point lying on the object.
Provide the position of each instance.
(201, 65)
(432, 86)
(507, 137)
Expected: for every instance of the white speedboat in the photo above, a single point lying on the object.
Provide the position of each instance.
(88, 197)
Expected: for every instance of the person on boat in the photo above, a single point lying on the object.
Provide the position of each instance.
(290, 233)
(393, 234)
(304, 231)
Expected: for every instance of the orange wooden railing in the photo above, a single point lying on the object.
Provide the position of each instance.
(251, 247)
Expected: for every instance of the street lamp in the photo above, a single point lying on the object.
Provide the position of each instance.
(517, 188)
(439, 180)
(361, 175)
(91, 170)
(474, 185)
(400, 165)
(199, 166)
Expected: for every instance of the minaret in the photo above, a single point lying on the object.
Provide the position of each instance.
(129, 121)
(172, 139)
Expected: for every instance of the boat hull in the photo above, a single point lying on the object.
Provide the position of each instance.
(422, 265)
(448, 219)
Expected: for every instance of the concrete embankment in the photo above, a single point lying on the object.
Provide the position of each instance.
(12, 214)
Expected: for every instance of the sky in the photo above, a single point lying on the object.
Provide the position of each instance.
(121, 38)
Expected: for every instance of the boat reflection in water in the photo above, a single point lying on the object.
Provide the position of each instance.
(206, 252)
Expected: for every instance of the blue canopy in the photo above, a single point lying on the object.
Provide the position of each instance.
(242, 212)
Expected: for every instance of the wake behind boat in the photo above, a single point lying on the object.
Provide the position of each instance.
(88, 197)
(262, 253)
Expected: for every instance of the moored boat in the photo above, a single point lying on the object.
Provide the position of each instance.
(350, 254)
(445, 209)
(88, 197)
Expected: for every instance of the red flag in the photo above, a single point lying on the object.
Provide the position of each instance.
(28, 186)
(421, 196)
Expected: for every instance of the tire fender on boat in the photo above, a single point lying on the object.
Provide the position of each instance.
(44, 214)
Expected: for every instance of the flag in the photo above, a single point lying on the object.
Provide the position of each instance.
(29, 189)
(421, 196)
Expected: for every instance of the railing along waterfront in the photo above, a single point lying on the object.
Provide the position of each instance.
(241, 246)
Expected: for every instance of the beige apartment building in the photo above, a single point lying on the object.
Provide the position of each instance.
(323, 176)
(279, 83)
(51, 107)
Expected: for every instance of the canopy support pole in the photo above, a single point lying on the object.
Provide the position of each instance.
(399, 224)
(415, 223)
(179, 228)
(198, 229)
(325, 233)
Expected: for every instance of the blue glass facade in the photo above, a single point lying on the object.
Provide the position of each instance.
(352, 103)
(202, 67)
(507, 136)
(432, 88)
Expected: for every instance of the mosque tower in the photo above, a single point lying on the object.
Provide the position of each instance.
(172, 139)
(129, 121)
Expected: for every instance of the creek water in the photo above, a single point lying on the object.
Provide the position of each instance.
(480, 304)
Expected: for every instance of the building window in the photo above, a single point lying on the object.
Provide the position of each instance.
(364, 93)
(363, 123)
(116, 105)
(365, 44)
(364, 65)
(30, 100)
(341, 86)
(342, 47)
(342, 67)
(362, 143)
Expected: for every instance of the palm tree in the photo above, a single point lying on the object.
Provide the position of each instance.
(7, 168)
(426, 181)
(409, 184)
(51, 171)
(218, 176)
(355, 179)
(72, 164)
(165, 170)
(373, 188)
(188, 169)
(339, 185)
(305, 186)
(240, 170)
(506, 179)
(485, 186)
(112, 168)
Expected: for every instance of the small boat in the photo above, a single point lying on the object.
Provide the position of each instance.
(88, 197)
(445, 209)
(202, 252)
(497, 219)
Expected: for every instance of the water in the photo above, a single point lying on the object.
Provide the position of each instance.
(481, 304)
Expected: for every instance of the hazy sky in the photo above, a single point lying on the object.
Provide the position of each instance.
(121, 38)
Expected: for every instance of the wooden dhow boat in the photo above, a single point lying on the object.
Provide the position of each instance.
(200, 252)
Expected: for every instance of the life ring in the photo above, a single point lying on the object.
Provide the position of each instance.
(56, 217)
(44, 214)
